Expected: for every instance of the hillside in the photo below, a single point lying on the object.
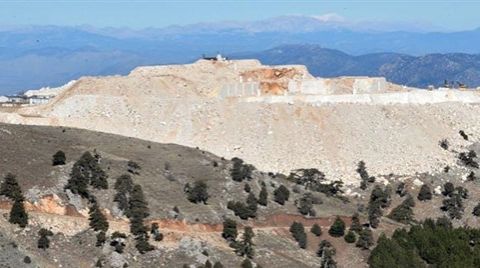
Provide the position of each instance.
(192, 232)
(416, 71)
(279, 118)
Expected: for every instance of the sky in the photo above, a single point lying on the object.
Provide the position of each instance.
(445, 15)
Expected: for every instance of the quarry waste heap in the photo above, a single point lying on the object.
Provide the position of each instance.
(278, 118)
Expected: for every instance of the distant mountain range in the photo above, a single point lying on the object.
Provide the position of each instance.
(37, 56)
(420, 71)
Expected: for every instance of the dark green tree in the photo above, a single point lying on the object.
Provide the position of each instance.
(247, 188)
(101, 238)
(305, 205)
(252, 205)
(338, 228)
(448, 189)
(198, 193)
(18, 215)
(98, 221)
(59, 158)
(298, 232)
(244, 247)
(388, 253)
(155, 231)
(137, 211)
(356, 226)
(316, 230)
(326, 252)
(123, 186)
(43, 241)
(142, 245)
(403, 213)
(229, 230)
(263, 196)
(281, 194)
(365, 239)
(350, 237)
(10, 188)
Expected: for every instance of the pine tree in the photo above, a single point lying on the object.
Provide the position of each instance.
(43, 241)
(425, 193)
(281, 194)
(403, 213)
(365, 239)
(245, 246)
(18, 215)
(98, 221)
(142, 244)
(316, 230)
(10, 188)
(59, 158)
(338, 228)
(229, 230)
(356, 226)
(350, 237)
(123, 186)
(263, 196)
(198, 193)
(252, 205)
(298, 232)
(101, 238)
(326, 252)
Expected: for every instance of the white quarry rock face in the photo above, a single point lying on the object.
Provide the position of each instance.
(286, 124)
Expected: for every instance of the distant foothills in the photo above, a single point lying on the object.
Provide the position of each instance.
(38, 56)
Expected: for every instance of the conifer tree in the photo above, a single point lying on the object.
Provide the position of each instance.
(10, 188)
(338, 228)
(281, 194)
(263, 196)
(98, 221)
(18, 215)
(326, 252)
(229, 230)
(59, 158)
(425, 193)
(43, 241)
(365, 239)
(245, 246)
(350, 237)
(356, 226)
(252, 205)
(298, 232)
(198, 193)
(316, 230)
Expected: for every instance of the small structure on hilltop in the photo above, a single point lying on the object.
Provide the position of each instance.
(219, 57)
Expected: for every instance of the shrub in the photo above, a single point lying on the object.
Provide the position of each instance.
(247, 188)
(448, 189)
(444, 144)
(155, 231)
(463, 134)
(356, 226)
(476, 210)
(59, 158)
(43, 241)
(338, 228)
(401, 189)
(425, 193)
(316, 230)
(240, 171)
(403, 213)
(133, 167)
(101, 238)
(350, 237)
(365, 178)
(199, 193)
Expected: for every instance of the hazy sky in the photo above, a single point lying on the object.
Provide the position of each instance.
(453, 15)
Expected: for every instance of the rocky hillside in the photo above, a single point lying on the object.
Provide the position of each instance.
(187, 225)
(416, 71)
